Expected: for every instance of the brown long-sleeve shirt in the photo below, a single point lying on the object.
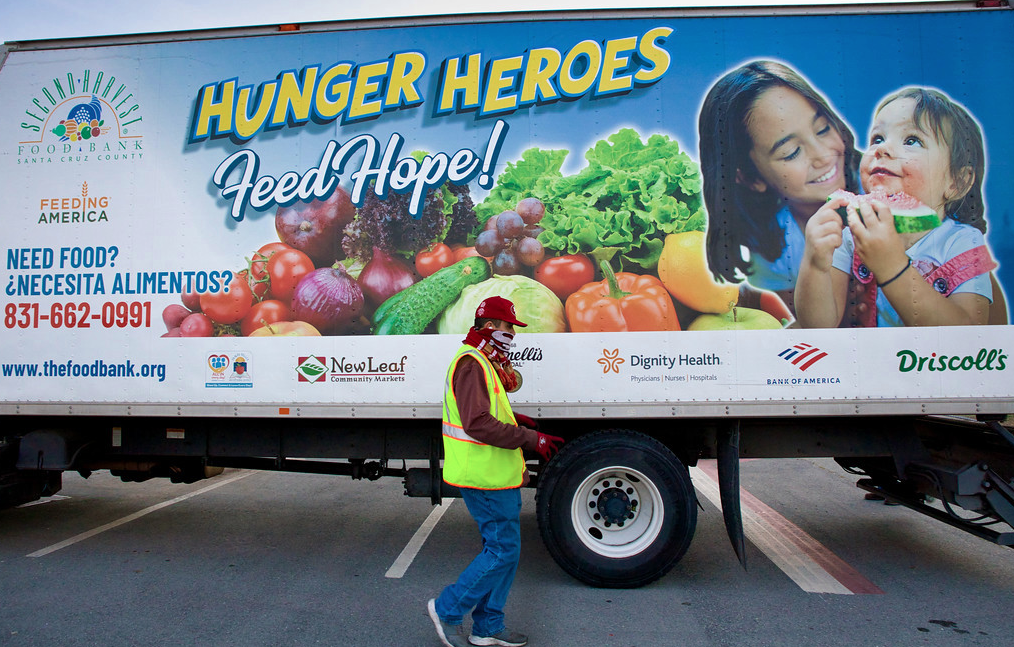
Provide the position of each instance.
(469, 383)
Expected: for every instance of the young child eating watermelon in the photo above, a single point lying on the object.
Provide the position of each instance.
(927, 146)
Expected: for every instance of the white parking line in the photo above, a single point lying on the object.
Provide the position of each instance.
(137, 515)
(806, 561)
(415, 544)
(49, 499)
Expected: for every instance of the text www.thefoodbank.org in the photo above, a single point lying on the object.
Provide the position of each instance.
(98, 368)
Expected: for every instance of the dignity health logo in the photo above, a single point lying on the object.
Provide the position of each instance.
(802, 355)
(611, 360)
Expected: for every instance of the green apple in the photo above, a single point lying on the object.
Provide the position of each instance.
(736, 319)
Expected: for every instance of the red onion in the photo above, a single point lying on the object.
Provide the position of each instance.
(328, 299)
(383, 277)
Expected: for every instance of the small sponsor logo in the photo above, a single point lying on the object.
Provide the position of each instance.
(78, 209)
(346, 369)
(802, 355)
(992, 359)
(519, 356)
(81, 116)
(311, 369)
(229, 370)
(611, 360)
(684, 367)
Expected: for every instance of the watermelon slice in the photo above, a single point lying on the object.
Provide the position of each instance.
(910, 214)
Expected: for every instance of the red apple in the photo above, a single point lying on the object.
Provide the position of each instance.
(286, 329)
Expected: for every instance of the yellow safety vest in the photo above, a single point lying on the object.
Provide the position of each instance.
(468, 462)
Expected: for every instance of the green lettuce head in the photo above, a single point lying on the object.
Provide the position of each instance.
(534, 303)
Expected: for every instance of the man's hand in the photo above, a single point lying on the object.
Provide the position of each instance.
(525, 421)
(548, 445)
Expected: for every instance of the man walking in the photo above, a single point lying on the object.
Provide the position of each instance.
(483, 457)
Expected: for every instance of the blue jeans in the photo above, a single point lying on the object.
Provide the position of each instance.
(485, 584)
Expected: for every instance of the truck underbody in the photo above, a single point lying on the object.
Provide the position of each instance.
(616, 507)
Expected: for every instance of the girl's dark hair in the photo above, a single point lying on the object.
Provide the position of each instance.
(954, 127)
(737, 215)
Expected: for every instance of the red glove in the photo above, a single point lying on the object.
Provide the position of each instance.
(548, 445)
(525, 421)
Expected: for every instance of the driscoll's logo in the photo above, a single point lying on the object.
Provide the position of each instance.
(985, 360)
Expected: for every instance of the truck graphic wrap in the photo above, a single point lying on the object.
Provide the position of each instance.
(164, 199)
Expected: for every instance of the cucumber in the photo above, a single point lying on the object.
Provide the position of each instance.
(421, 303)
(387, 306)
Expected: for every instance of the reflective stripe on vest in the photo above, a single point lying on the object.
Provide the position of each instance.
(467, 461)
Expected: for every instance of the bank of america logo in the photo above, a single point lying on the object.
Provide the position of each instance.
(803, 355)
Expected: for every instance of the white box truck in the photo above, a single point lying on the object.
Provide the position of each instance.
(259, 248)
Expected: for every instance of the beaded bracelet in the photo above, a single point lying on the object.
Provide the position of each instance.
(896, 276)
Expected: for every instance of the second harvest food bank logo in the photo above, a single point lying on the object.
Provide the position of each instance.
(81, 116)
(315, 368)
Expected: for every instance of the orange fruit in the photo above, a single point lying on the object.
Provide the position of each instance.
(684, 271)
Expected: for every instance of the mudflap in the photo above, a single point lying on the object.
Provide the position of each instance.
(728, 488)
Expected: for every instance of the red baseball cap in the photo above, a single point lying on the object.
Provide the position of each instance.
(498, 308)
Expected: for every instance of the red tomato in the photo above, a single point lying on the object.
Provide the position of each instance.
(565, 275)
(285, 270)
(461, 253)
(227, 307)
(435, 258)
(192, 301)
(259, 288)
(259, 267)
(263, 313)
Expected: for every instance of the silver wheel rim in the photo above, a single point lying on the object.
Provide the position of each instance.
(617, 512)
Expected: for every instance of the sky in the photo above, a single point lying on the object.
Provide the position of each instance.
(46, 19)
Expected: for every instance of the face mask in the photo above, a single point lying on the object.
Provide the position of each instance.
(502, 340)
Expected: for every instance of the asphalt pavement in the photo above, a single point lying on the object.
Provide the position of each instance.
(275, 559)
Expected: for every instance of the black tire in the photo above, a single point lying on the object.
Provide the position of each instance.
(644, 500)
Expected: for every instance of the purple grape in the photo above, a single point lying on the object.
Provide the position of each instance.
(506, 262)
(488, 243)
(529, 251)
(509, 224)
(531, 210)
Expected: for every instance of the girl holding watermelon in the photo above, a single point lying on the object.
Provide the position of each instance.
(925, 145)
(772, 150)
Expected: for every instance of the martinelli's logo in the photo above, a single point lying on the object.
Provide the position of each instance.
(81, 116)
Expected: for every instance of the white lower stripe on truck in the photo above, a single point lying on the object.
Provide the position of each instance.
(806, 561)
(137, 515)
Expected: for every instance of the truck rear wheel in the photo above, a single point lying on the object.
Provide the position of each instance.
(616, 509)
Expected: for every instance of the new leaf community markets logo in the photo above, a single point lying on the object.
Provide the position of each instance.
(311, 369)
